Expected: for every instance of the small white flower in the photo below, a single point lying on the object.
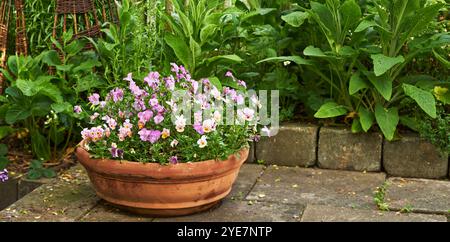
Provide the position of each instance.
(202, 143)
(217, 116)
(180, 123)
(174, 143)
(208, 125)
(266, 131)
(286, 63)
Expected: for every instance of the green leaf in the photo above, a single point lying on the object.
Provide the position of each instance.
(424, 99)
(229, 58)
(351, 13)
(34, 174)
(87, 65)
(313, 51)
(40, 146)
(296, 59)
(356, 84)
(356, 126)
(196, 50)
(88, 82)
(366, 118)
(52, 91)
(382, 84)
(36, 164)
(295, 19)
(16, 113)
(3, 162)
(3, 150)
(5, 131)
(74, 47)
(216, 82)
(180, 48)
(409, 122)
(387, 120)
(51, 58)
(48, 173)
(207, 31)
(330, 109)
(382, 63)
(365, 24)
(442, 59)
(62, 107)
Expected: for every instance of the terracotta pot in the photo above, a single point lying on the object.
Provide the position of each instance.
(162, 190)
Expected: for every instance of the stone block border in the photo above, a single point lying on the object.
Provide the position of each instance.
(16, 188)
(308, 145)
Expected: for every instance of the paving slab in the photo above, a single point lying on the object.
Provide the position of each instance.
(245, 181)
(421, 195)
(321, 213)
(294, 145)
(294, 185)
(340, 149)
(67, 198)
(243, 211)
(104, 212)
(8, 192)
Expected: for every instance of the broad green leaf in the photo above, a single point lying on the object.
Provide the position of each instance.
(3, 162)
(180, 48)
(366, 118)
(40, 146)
(51, 58)
(16, 113)
(87, 65)
(381, 83)
(231, 58)
(88, 82)
(409, 122)
(74, 47)
(295, 18)
(387, 120)
(324, 16)
(329, 110)
(365, 24)
(382, 63)
(351, 13)
(207, 31)
(216, 82)
(34, 174)
(442, 59)
(5, 131)
(313, 51)
(196, 50)
(424, 99)
(356, 84)
(297, 59)
(356, 126)
(52, 91)
(62, 107)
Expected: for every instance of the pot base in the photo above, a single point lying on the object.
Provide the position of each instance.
(162, 213)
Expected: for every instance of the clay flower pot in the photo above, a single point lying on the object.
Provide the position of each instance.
(162, 190)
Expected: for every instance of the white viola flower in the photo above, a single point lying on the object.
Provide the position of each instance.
(174, 143)
(208, 125)
(165, 133)
(246, 114)
(202, 143)
(180, 123)
(216, 93)
(254, 99)
(266, 131)
(286, 63)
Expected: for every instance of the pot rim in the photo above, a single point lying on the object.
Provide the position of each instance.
(123, 169)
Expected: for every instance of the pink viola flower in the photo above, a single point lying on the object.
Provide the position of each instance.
(153, 101)
(174, 143)
(173, 160)
(152, 80)
(129, 77)
(198, 127)
(246, 114)
(180, 123)
(145, 116)
(94, 116)
(139, 104)
(174, 68)
(170, 83)
(77, 109)
(242, 83)
(229, 74)
(94, 99)
(239, 99)
(110, 122)
(165, 133)
(158, 119)
(116, 94)
(151, 136)
(102, 104)
(194, 86)
(198, 117)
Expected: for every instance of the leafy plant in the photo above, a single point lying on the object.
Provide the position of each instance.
(3, 159)
(379, 197)
(37, 171)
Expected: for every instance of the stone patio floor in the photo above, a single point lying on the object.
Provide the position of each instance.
(263, 194)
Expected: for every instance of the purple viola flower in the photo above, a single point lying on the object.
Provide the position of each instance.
(139, 104)
(77, 109)
(143, 134)
(152, 80)
(129, 77)
(175, 68)
(159, 109)
(145, 116)
(115, 152)
(173, 159)
(4, 175)
(94, 99)
(199, 128)
(153, 101)
(158, 119)
(170, 83)
(116, 94)
(154, 136)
